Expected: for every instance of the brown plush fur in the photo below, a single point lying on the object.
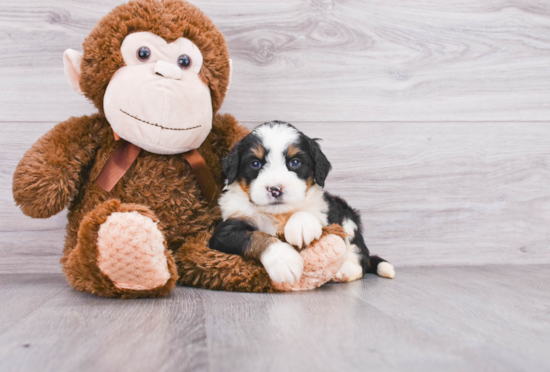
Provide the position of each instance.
(333, 229)
(219, 270)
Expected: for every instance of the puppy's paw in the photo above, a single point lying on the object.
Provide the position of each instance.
(386, 270)
(302, 228)
(282, 263)
(350, 271)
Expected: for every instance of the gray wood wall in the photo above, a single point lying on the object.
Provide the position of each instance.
(435, 114)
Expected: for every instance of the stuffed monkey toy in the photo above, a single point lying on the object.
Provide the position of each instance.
(141, 176)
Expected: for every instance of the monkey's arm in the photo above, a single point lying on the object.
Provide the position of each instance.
(236, 236)
(226, 132)
(50, 173)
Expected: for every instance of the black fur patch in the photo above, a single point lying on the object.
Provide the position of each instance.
(236, 165)
(232, 236)
(321, 165)
(339, 211)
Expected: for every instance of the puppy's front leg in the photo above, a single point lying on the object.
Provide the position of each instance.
(302, 228)
(281, 261)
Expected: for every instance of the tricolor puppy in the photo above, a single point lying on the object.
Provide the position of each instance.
(274, 179)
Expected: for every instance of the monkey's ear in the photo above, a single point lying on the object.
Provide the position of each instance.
(230, 165)
(230, 75)
(71, 66)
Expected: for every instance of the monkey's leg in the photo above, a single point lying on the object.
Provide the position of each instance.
(120, 252)
(200, 266)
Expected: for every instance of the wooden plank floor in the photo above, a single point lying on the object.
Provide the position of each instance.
(493, 318)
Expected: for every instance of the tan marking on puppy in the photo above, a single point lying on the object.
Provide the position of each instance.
(281, 235)
(310, 182)
(258, 151)
(259, 243)
(293, 150)
(335, 229)
(246, 188)
(280, 221)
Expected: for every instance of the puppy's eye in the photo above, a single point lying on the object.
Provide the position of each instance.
(255, 164)
(184, 61)
(143, 53)
(295, 164)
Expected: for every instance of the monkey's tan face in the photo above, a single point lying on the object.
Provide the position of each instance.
(158, 101)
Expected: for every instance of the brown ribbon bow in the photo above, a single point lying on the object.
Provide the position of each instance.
(126, 154)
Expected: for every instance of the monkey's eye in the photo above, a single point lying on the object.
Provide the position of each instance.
(295, 164)
(184, 61)
(255, 165)
(143, 53)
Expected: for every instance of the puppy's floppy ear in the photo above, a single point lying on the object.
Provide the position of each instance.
(230, 165)
(321, 164)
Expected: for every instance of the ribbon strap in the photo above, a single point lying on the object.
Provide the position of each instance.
(116, 166)
(203, 174)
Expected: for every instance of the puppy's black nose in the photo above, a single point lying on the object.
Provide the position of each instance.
(275, 191)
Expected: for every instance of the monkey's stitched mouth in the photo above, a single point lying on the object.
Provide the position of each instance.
(157, 125)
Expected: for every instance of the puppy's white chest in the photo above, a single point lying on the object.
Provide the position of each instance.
(267, 224)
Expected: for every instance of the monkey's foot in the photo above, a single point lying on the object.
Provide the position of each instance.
(121, 252)
(322, 260)
(131, 251)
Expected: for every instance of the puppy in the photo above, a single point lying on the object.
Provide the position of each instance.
(274, 180)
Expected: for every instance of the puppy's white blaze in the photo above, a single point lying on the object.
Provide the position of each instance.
(386, 270)
(276, 140)
(302, 228)
(283, 263)
(350, 228)
(351, 269)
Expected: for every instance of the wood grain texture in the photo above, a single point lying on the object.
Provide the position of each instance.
(429, 193)
(471, 319)
(428, 319)
(318, 60)
(90, 333)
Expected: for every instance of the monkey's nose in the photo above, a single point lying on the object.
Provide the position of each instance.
(168, 70)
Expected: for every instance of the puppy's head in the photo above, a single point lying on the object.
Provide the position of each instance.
(276, 165)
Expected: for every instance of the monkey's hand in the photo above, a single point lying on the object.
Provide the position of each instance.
(49, 175)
